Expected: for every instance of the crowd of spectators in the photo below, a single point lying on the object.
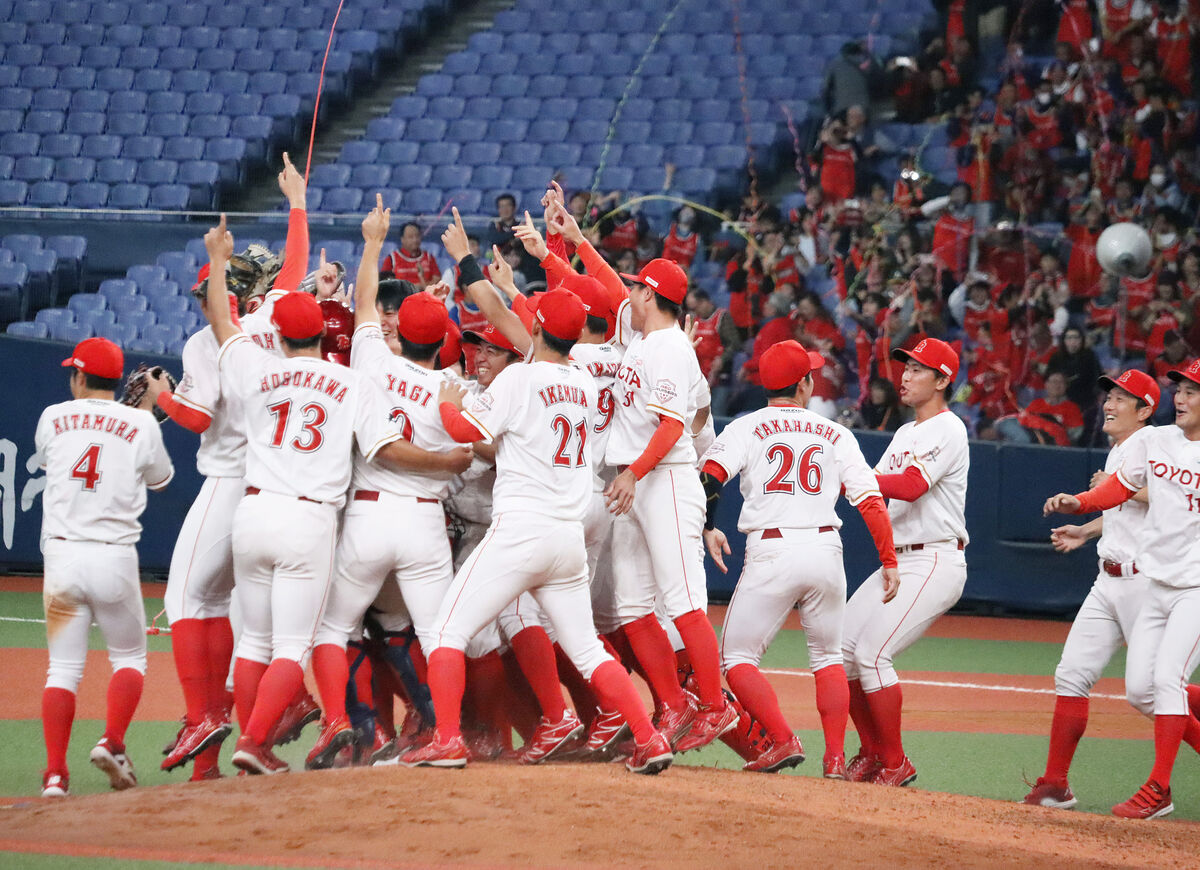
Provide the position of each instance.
(1053, 133)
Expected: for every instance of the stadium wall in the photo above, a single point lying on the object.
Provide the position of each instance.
(1011, 565)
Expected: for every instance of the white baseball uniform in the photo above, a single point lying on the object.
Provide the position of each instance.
(1107, 616)
(793, 464)
(385, 500)
(930, 535)
(99, 457)
(658, 377)
(540, 416)
(200, 578)
(301, 417)
(1164, 646)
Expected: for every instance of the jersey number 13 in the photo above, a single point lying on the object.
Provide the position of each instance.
(309, 438)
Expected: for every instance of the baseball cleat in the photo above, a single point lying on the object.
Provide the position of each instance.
(170, 747)
(608, 731)
(437, 753)
(483, 744)
(1047, 793)
(111, 758)
(384, 749)
(334, 737)
(299, 713)
(551, 737)
(251, 758)
(778, 757)
(709, 724)
(195, 738)
(1152, 801)
(674, 724)
(55, 785)
(653, 756)
(901, 775)
(834, 767)
(862, 768)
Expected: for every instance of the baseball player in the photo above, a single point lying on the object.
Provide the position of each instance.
(99, 456)
(1107, 616)
(540, 416)
(300, 415)
(369, 552)
(1164, 645)
(793, 464)
(923, 473)
(200, 578)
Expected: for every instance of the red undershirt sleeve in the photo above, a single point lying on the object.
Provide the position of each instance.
(295, 252)
(879, 524)
(457, 426)
(556, 267)
(188, 418)
(1107, 495)
(906, 486)
(664, 438)
(599, 269)
(716, 470)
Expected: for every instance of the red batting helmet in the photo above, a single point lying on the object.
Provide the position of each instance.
(339, 329)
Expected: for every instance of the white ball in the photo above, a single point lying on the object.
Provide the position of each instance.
(1124, 250)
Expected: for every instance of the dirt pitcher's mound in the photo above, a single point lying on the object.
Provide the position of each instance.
(580, 816)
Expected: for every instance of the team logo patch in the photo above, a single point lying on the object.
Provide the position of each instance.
(931, 455)
(664, 391)
(186, 384)
(482, 403)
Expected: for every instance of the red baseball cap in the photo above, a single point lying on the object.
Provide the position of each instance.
(932, 353)
(591, 292)
(664, 277)
(451, 347)
(786, 363)
(97, 356)
(1191, 373)
(423, 319)
(490, 335)
(560, 312)
(298, 316)
(1137, 384)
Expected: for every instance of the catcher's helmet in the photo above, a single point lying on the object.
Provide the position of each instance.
(339, 329)
(249, 275)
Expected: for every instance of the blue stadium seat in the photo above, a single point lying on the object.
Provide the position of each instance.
(18, 99)
(446, 108)
(167, 286)
(435, 154)
(423, 201)
(236, 105)
(561, 153)
(329, 175)
(112, 80)
(241, 39)
(157, 172)
(27, 329)
(77, 78)
(499, 64)
(139, 57)
(473, 86)
(425, 130)
(119, 170)
(713, 133)
(451, 176)
(370, 177)
(411, 176)
(86, 123)
(166, 304)
(178, 59)
(31, 169)
(162, 36)
(517, 153)
(89, 194)
(648, 179)
(86, 302)
(254, 60)
(13, 192)
(42, 287)
(182, 148)
(143, 345)
(687, 156)
(54, 318)
(483, 108)
(361, 151)
(466, 130)
(138, 318)
(560, 107)
(61, 145)
(202, 177)
(120, 334)
(487, 176)
(170, 197)
(460, 63)
(632, 132)
(528, 176)
(521, 108)
(387, 129)
(129, 196)
(188, 81)
(162, 333)
(208, 126)
(698, 180)
(48, 194)
(278, 39)
(342, 200)
(725, 156)
(94, 318)
(587, 130)
(616, 178)
(504, 130)
(142, 147)
(510, 85)
(19, 144)
(216, 59)
(672, 132)
(203, 103)
(480, 153)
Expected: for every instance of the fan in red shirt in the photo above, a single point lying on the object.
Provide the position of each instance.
(682, 239)
(744, 275)
(1075, 24)
(777, 326)
(1172, 32)
(1174, 355)
(835, 160)
(980, 309)
(1083, 269)
(989, 375)
(409, 262)
(1053, 418)
(953, 230)
(1119, 19)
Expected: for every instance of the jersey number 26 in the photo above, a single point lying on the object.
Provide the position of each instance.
(808, 470)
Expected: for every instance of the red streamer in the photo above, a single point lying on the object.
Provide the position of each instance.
(312, 135)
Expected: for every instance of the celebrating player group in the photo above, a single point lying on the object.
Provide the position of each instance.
(472, 522)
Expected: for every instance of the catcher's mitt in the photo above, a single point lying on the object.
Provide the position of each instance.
(137, 384)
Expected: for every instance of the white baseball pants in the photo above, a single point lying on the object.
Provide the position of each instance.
(86, 581)
(1164, 650)
(1104, 622)
(200, 579)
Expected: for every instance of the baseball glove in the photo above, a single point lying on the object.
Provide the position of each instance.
(138, 382)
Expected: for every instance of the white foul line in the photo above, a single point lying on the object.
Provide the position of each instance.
(943, 684)
(161, 629)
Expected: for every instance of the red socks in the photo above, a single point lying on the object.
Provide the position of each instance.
(755, 694)
(247, 675)
(1066, 729)
(1193, 696)
(860, 713)
(58, 712)
(332, 673)
(885, 706)
(124, 692)
(833, 705)
(616, 692)
(1168, 734)
(535, 654)
(218, 634)
(279, 685)
(447, 681)
(189, 646)
(652, 647)
(701, 643)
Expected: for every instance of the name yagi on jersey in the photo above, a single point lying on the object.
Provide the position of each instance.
(558, 393)
(414, 393)
(95, 423)
(305, 380)
(779, 427)
(1175, 474)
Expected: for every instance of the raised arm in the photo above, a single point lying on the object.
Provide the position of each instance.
(218, 241)
(482, 294)
(366, 285)
(295, 253)
(593, 263)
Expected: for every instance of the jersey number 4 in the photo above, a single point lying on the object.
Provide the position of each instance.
(310, 437)
(564, 429)
(87, 468)
(808, 470)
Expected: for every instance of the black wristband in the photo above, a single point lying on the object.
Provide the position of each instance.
(712, 494)
(469, 272)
